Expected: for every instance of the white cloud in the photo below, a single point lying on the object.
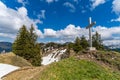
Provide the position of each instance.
(69, 5)
(42, 14)
(71, 32)
(22, 11)
(50, 33)
(67, 34)
(116, 20)
(112, 43)
(51, 1)
(7, 35)
(116, 10)
(96, 3)
(108, 33)
(11, 20)
(116, 6)
(23, 2)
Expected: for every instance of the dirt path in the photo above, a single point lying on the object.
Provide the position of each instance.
(6, 69)
(25, 73)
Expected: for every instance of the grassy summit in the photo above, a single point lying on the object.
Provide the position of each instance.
(102, 65)
(73, 69)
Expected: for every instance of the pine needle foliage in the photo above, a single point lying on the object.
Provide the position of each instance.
(26, 45)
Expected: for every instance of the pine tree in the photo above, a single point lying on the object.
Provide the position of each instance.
(19, 45)
(84, 42)
(34, 48)
(26, 46)
(97, 42)
(77, 47)
(32, 35)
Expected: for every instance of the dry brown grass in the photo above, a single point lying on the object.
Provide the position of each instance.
(26, 73)
(11, 58)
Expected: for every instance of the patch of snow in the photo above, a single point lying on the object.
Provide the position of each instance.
(6, 69)
(52, 57)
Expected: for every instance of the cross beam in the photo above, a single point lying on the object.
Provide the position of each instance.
(91, 24)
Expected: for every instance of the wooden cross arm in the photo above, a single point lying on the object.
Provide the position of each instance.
(89, 26)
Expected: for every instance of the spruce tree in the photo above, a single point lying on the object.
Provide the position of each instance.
(77, 47)
(34, 48)
(27, 47)
(84, 42)
(19, 45)
(97, 41)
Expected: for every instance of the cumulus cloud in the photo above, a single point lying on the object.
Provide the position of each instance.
(112, 42)
(116, 20)
(11, 20)
(116, 10)
(96, 3)
(116, 6)
(7, 35)
(23, 2)
(71, 32)
(112, 33)
(67, 34)
(22, 11)
(70, 6)
(50, 33)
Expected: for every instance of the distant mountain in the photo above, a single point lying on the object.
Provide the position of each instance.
(5, 46)
(112, 44)
(113, 48)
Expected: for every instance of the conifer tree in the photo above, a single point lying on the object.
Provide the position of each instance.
(34, 48)
(19, 45)
(77, 47)
(97, 42)
(27, 47)
(84, 42)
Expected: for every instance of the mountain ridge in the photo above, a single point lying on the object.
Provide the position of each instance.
(99, 65)
(5, 47)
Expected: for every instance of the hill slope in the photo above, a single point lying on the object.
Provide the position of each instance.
(68, 69)
(10, 58)
(73, 69)
(109, 58)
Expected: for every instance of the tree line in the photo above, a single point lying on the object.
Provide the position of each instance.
(82, 43)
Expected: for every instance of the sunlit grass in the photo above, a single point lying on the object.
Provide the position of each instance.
(73, 69)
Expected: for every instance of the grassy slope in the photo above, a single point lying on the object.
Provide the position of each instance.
(109, 57)
(12, 59)
(68, 69)
(73, 69)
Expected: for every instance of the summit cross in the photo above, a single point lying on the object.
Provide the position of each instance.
(91, 24)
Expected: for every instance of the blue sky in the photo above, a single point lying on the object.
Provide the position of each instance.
(60, 20)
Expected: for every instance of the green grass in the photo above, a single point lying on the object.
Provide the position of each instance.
(73, 69)
(10, 58)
